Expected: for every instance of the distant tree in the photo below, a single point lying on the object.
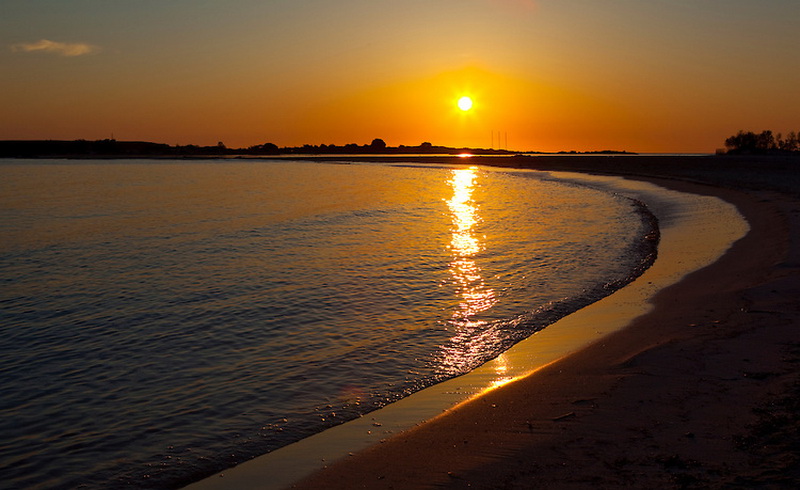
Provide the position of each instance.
(790, 143)
(766, 141)
(750, 142)
(265, 148)
(741, 141)
(377, 144)
(426, 145)
(763, 142)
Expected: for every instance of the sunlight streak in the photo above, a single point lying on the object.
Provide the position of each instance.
(465, 244)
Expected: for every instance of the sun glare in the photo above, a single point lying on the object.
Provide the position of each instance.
(465, 103)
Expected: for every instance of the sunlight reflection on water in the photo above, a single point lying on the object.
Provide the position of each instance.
(465, 244)
(470, 337)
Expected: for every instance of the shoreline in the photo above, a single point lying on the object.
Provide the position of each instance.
(676, 399)
(358, 466)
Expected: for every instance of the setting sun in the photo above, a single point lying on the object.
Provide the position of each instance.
(465, 103)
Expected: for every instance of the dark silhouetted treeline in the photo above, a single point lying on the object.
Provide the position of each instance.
(111, 148)
(114, 148)
(377, 146)
(101, 148)
(763, 142)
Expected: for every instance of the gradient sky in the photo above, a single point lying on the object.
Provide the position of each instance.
(639, 75)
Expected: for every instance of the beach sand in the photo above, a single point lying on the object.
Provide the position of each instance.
(701, 392)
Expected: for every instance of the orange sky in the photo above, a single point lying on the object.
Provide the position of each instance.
(647, 76)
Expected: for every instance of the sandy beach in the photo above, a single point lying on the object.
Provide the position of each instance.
(700, 392)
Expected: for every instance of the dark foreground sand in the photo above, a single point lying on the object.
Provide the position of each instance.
(702, 392)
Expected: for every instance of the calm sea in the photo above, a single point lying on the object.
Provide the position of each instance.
(163, 320)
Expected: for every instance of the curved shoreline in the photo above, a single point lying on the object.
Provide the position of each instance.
(664, 403)
(281, 468)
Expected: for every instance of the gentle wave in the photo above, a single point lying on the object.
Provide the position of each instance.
(167, 320)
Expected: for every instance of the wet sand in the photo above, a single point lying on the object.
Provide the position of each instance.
(701, 392)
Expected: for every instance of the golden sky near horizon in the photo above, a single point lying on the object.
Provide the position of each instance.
(638, 75)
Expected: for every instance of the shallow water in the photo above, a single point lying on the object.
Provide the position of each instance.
(163, 320)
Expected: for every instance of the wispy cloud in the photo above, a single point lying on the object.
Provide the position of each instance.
(63, 49)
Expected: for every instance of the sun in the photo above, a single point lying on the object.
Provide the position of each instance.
(465, 103)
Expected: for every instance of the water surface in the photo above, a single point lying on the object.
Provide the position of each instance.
(162, 320)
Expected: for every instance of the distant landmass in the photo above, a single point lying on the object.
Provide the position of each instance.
(748, 142)
(111, 148)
